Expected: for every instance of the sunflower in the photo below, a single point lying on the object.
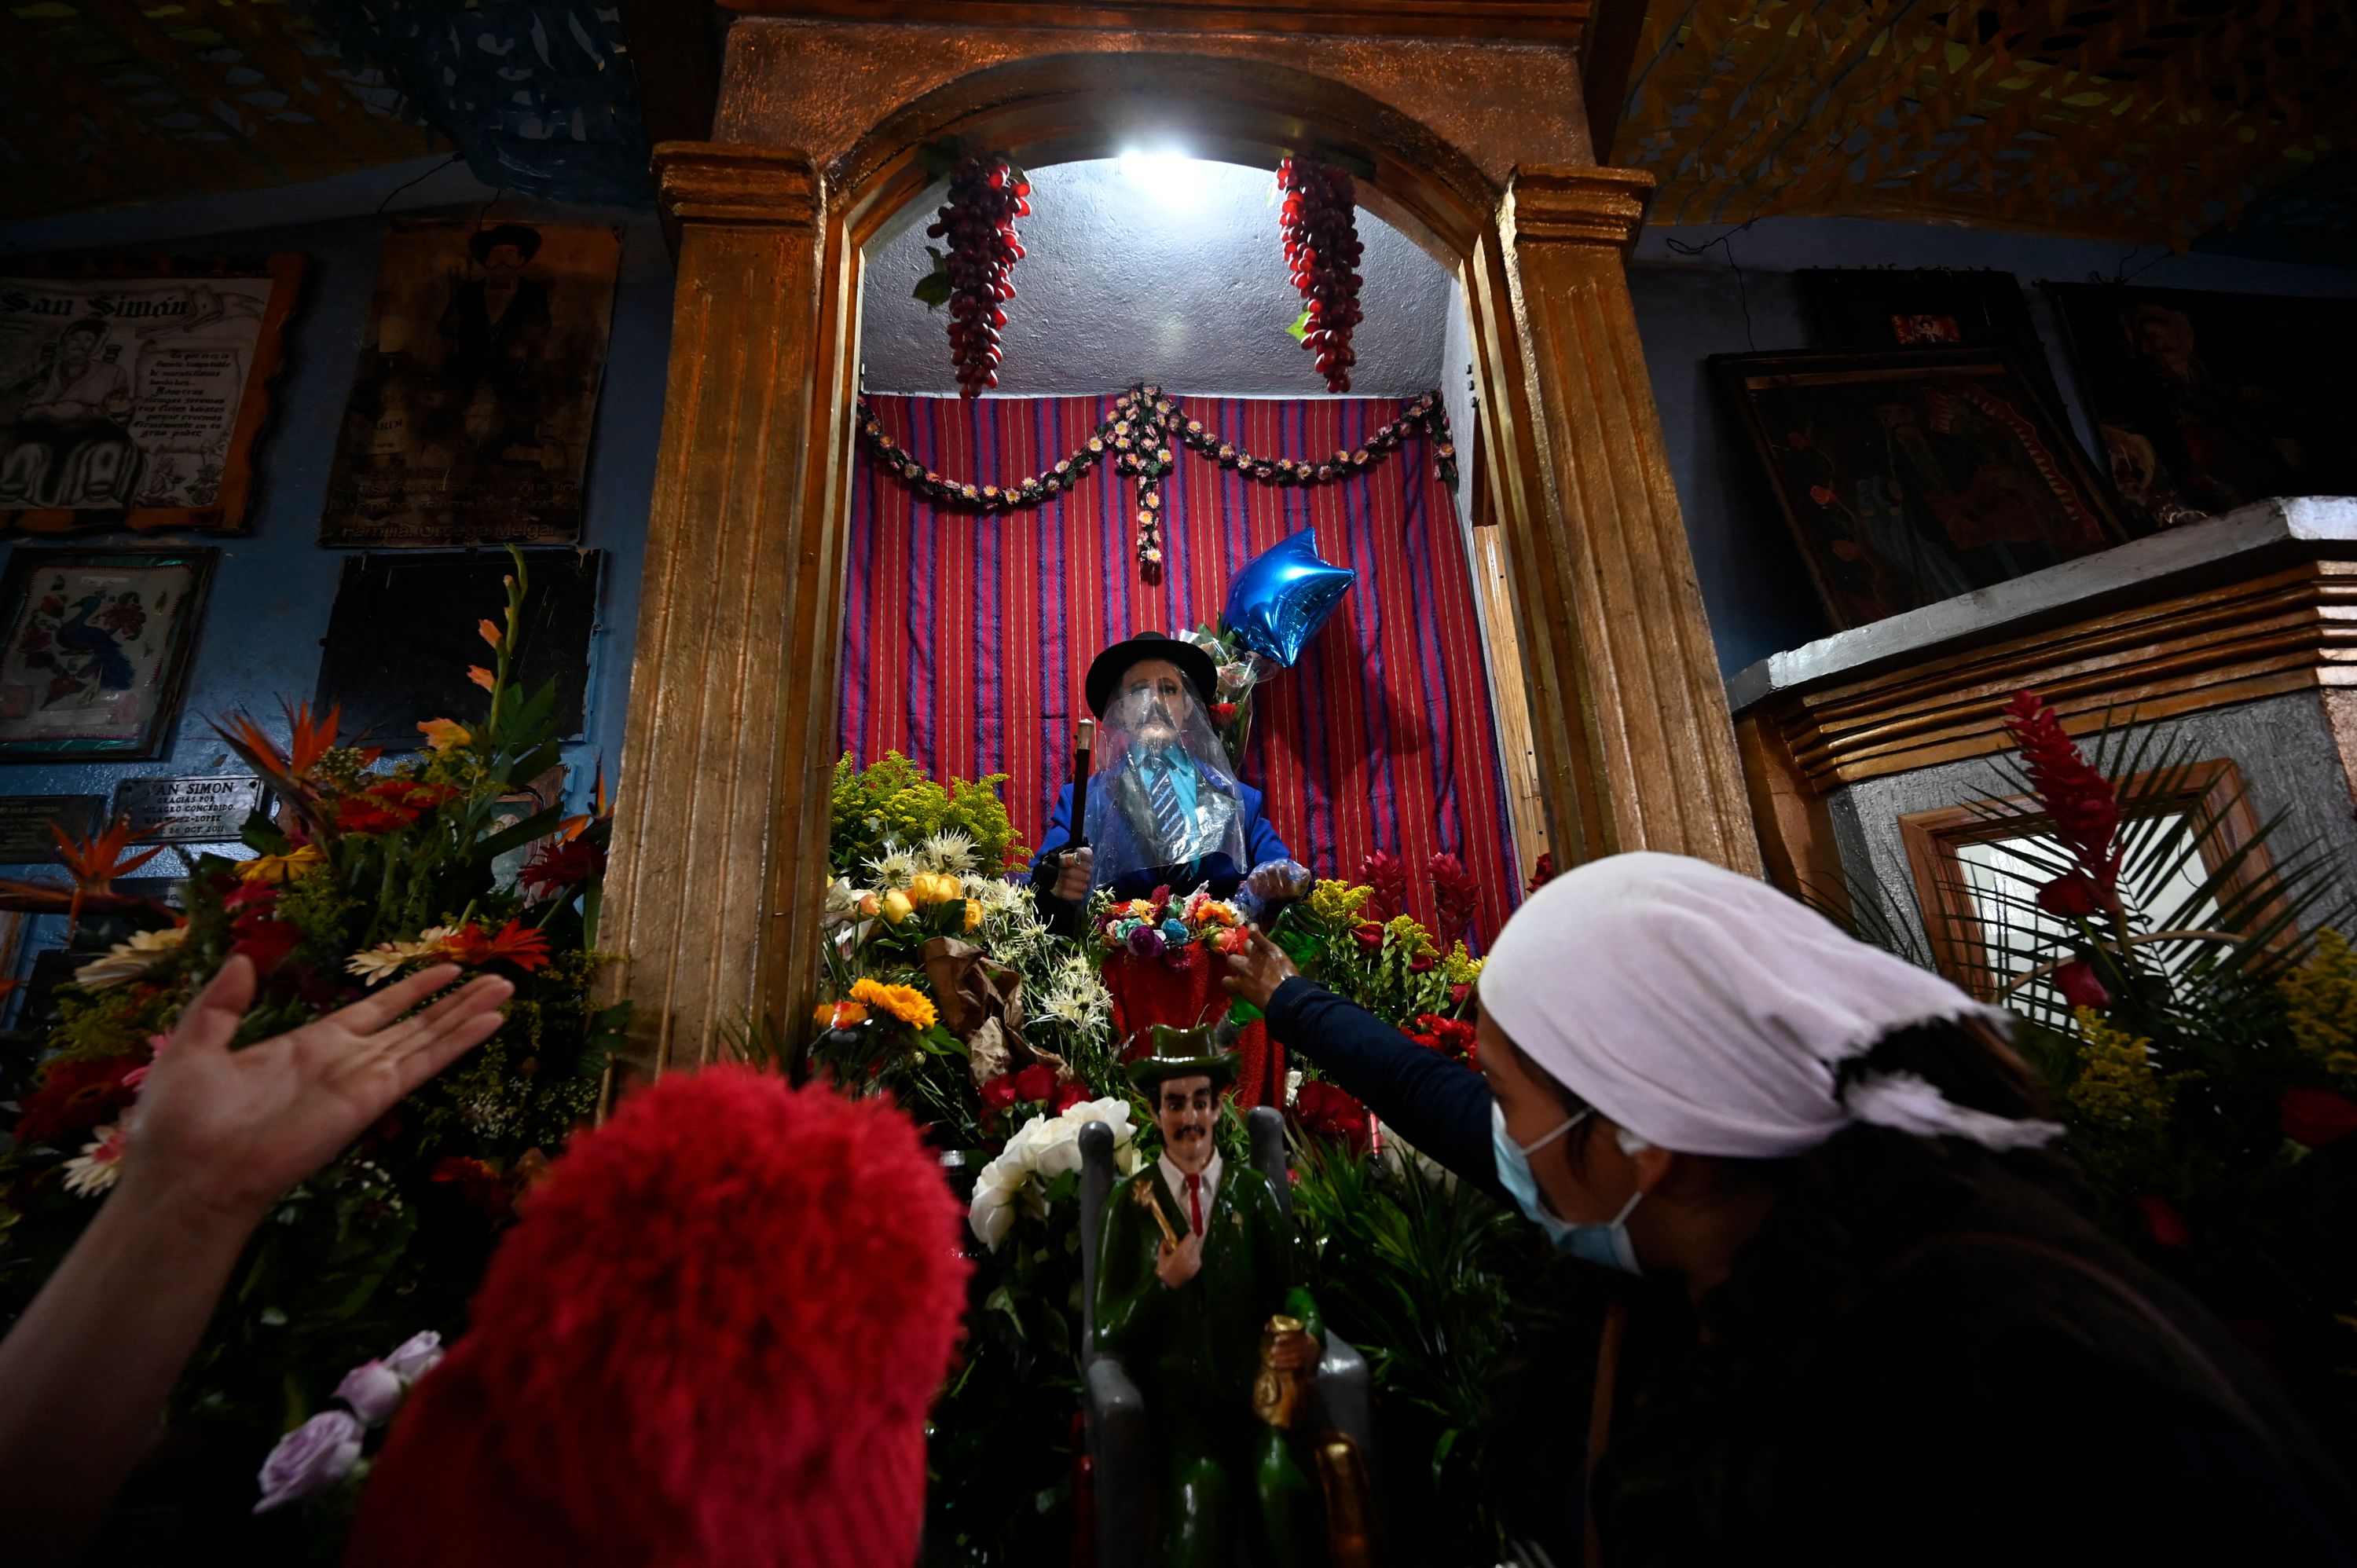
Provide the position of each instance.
(905, 1003)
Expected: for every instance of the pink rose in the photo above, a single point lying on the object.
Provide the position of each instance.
(373, 1390)
(310, 1459)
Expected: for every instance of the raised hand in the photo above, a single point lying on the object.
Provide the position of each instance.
(1179, 1261)
(1073, 869)
(233, 1130)
(1258, 971)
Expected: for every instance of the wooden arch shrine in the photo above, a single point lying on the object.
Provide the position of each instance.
(1480, 150)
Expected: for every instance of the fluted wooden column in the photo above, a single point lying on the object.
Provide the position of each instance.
(1628, 709)
(722, 814)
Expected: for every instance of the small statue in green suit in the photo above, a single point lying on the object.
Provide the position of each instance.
(1195, 1261)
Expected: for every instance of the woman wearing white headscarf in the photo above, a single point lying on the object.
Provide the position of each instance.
(1906, 1345)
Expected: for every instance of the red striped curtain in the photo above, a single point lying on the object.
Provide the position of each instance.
(968, 636)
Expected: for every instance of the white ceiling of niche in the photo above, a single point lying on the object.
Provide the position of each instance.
(1158, 269)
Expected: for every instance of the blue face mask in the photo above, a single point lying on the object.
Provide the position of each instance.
(1607, 1244)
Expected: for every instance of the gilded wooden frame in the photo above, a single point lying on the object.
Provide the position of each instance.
(714, 895)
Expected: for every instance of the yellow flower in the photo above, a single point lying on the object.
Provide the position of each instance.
(2320, 1001)
(905, 1003)
(1410, 937)
(934, 888)
(2117, 1086)
(839, 1014)
(897, 908)
(481, 677)
(1460, 968)
(1337, 903)
(301, 861)
(972, 915)
(445, 734)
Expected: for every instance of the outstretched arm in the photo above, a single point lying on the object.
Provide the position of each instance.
(1434, 1104)
(216, 1139)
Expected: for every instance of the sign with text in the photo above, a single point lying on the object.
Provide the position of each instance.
(25, 820)
(207, 808)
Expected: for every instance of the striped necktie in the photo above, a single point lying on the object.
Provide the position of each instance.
(1169, 816)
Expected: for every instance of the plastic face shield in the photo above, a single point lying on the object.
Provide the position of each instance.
(1155, 723)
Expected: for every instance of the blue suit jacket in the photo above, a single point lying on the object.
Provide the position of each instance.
(1260, 844)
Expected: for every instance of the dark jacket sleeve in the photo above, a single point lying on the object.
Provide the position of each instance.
(1261, 843)
(1441, 1108)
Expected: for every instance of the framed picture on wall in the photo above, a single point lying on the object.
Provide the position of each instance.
(97, 649)
(2208, 402)
(403, 633)
(132, 389)
(472, 406)
(1913, 476)
(1924, 307)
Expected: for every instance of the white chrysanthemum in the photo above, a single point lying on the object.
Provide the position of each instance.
(893, 868)
(1292, 1086)
(948, 850)
(129, 961)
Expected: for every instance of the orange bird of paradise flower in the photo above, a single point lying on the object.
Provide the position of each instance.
(94, 863)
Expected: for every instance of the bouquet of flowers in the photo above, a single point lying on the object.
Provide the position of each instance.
(1164, 927)
(1353, 939)
(1240, 670)
(369, 868)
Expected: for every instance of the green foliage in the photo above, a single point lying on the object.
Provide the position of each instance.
(1416, 1268)
(894, 799)
(2200, 1094)
(391, 1237)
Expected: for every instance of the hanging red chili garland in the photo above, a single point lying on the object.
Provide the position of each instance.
(1320, 227)
(988, 193)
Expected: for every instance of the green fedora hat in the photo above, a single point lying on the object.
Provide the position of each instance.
(1183, 1053)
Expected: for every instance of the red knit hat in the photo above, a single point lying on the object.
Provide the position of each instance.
(711, 1340)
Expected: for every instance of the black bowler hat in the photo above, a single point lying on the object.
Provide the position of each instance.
(1106, 669)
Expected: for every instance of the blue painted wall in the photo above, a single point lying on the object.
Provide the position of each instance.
(260, 637)
(1689, 307)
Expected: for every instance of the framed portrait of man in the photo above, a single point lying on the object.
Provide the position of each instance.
(2207, 402)
(132, 391)
(97, 648)
(1914, 476)
(476, 389)
(403, 633)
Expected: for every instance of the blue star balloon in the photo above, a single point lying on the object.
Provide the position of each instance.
(1283, 595)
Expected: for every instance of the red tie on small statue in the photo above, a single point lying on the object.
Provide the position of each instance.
(1195, 1201)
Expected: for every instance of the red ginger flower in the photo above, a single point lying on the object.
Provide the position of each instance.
(2084, 804)
(1454, 894)
(779, 1355)
(1542, 874)
(1383, 872)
